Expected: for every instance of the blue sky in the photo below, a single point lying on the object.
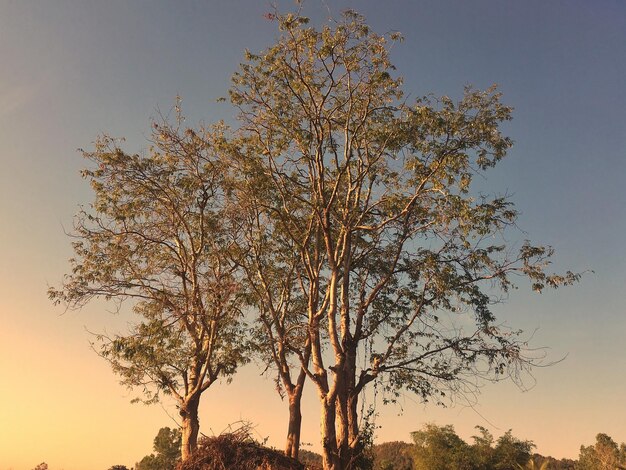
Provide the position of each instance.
(74, 69)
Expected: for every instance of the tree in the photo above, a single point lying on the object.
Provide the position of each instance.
(483, 449)
(511, 452)
(399, 260)
(41, 466)
(604, 455)
(167, 450)
(272, 272)
(440, 448)
(118, 467)
(394, 455)
(155, 238)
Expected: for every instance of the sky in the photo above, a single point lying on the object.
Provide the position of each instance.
(73, 69)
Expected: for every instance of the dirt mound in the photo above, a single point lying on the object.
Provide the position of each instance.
(238, 451)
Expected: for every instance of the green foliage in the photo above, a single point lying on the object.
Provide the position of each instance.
(155, 238)
(440, 448)
(511, 452)
(604, 455)
(396, 256)
(393, 456)
(310, 458)
(344, 214)
(376, 195)
(167, 451)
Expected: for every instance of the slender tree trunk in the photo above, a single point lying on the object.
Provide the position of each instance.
(295, 423)
(347, 413)
(342, 428)
(330, 456)
(294, 392)
(190, 428)
(353, 420)
(352, 401)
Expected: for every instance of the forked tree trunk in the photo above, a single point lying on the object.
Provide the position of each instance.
(294, 393)
(190, 428)
(295, 423)
(348, 438)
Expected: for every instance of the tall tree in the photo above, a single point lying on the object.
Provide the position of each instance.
(400, 260)
(155, 238)
(271, 265)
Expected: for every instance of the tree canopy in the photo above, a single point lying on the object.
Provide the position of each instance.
(604, 455)
(155, 238)
(440, 448)
(340, 215)
(400, 259)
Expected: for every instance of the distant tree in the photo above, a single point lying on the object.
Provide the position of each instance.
(393, 456)
(118, 467)
(310, 458)
(440, 448)
(482, 449)
(150, 462)
(167, 444)
(560, 464)
(41, 466)
(156, 236)
(604, 455)
(167, 450)
(511, 452)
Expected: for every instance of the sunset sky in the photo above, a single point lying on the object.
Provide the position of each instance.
(73, 69)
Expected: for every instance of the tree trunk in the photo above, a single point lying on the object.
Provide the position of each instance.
(190, 428)
(295, 423)
(342, 428)
(353, 420)
(330, 457)
(347, 413)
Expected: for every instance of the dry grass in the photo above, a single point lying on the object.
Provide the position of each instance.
(238, 450)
